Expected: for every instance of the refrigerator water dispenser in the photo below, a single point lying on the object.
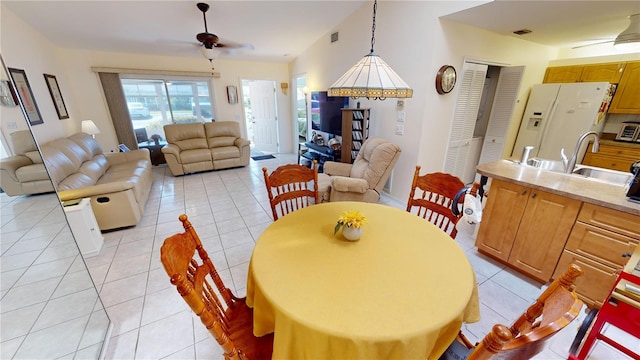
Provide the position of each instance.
(535, 121)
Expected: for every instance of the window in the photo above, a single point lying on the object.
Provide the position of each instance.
(301, 107)
(153, 103)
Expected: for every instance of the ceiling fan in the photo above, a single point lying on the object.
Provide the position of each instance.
(629, 38)
(210, 43)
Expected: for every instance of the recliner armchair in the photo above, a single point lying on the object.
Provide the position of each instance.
(24, 172)
(364, 179)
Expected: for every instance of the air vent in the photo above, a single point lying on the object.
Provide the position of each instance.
(522, 31)
(334, 37)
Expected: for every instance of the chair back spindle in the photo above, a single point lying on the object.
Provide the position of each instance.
(553, 310)
(431, 198)
(226, 317)
(291, 187)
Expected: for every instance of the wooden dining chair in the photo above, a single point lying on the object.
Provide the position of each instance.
(553, 310)
(229, 320)
(431, 198)
(291, 187)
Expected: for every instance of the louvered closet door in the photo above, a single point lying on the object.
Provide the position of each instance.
(459, 152)
(501, 111)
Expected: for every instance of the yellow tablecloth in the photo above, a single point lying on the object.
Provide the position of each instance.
(400, 292)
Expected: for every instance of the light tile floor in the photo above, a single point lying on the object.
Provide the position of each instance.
(229, 209)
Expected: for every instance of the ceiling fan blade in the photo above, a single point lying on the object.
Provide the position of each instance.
(234, 45)
(592, 44)
(208, 41)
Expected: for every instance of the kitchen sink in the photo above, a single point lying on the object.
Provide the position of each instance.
(545, 164)
(612, 177)
(605, 175)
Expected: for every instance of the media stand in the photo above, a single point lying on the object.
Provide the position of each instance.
(321, 153)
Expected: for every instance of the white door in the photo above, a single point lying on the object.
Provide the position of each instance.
(263, 115)
(464, 120)
(504, 101)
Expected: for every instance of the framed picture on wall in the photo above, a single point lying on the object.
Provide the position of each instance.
(30, 108)
(232, 94)
(56, 96)
(7, 95)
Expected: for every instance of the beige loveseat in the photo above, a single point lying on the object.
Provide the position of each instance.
(117, 183)
(24, 173)
(201, 147)
(364, 179)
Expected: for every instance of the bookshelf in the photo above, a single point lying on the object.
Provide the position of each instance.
(355, 130)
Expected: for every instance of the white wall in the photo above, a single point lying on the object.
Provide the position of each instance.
(91, 105)
(25, 48)
(415, 43)
(410, 37)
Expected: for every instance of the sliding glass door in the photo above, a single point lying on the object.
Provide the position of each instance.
(153, 103)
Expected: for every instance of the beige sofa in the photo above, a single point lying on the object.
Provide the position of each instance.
(118, 184)
(201, 147)
(364, 179)
(24, 173)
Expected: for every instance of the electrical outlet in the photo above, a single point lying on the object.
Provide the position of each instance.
(12, 125)
(399, 129)
(401, 115)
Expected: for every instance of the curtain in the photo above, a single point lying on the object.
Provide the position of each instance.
(118, 109)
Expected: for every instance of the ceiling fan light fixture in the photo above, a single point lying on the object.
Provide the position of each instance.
(371, 77)
(209, 53)
(629, 39)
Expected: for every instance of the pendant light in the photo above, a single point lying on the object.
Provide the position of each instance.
(371, 77)
(630, 37)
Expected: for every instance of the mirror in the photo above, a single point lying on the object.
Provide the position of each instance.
(50, 307)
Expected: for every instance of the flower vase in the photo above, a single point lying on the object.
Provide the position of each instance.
(352, 233)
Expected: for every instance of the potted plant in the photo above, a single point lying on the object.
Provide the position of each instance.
(351, 223)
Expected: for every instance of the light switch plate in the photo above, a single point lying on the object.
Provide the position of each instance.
(401, 115)
(399, 129)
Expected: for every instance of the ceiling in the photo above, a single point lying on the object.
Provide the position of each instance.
(280, 30)
(553, 23)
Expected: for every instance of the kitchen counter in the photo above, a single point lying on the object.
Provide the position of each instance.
(571, 186)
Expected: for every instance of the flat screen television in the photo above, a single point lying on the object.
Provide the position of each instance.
(326, 113)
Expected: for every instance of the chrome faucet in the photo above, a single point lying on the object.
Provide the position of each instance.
(570, 163)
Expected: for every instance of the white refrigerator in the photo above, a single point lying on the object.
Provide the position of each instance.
(557, 114)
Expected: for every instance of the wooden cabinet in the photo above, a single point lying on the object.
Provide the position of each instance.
(563, 74)
(598, 243)
(627, 97)
(355, 130)
(612, 155)
(609, 72)
(526, 228)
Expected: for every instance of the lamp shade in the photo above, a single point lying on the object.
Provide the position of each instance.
(209, 53)
(371, 77)
(630, 37)
(89, 127)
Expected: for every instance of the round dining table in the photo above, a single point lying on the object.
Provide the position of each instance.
(400, 292)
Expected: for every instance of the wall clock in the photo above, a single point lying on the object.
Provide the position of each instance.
(445, 79)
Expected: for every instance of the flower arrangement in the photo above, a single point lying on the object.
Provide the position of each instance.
(352, 218)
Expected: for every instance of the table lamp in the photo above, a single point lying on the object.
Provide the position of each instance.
(89, 127)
